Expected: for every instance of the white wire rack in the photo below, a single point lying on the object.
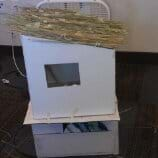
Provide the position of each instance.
(96, 8)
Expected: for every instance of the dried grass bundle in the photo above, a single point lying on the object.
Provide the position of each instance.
(68, 26)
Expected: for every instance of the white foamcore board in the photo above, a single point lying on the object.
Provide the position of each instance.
(30, 120)
(95, 95)
(77, 144)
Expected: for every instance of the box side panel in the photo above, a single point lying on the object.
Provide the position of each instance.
(47, 128)
(116, 135)
(57, 145)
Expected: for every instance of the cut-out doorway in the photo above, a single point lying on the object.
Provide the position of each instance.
(65, 74)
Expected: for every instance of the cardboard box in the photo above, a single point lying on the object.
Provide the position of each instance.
(51, 142)
(77, 144)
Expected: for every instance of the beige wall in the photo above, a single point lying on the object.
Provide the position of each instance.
(140, 16)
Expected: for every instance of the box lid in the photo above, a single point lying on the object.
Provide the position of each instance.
(30, 120)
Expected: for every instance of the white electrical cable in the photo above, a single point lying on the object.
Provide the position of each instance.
(14, 60)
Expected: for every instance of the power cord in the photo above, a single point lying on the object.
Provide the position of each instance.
(14, 60)
(4, 79)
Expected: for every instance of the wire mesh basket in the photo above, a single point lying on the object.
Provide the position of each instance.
(96, 8)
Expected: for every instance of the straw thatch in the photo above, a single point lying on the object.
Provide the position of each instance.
(68, 26)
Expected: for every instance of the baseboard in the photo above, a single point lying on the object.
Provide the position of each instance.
(121, 57)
